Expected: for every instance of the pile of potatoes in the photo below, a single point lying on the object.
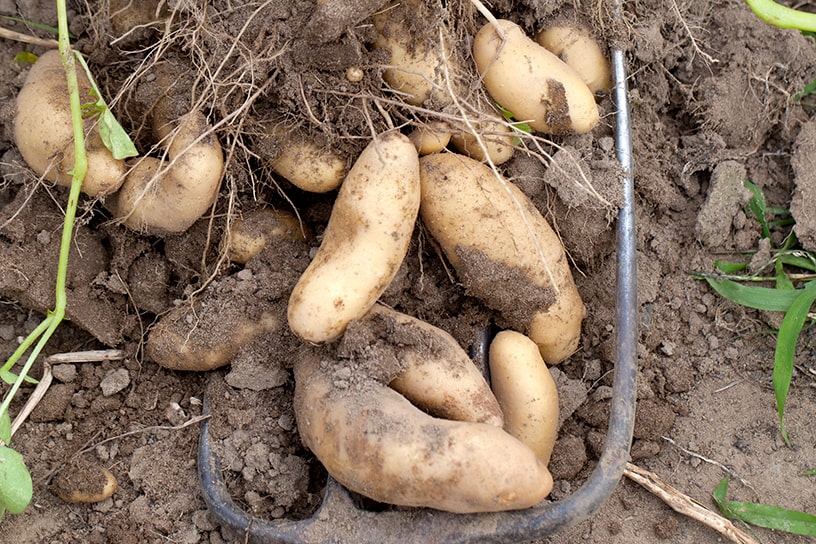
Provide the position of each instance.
(430, 432)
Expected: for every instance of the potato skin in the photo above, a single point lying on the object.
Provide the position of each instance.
(531, 82)
(431, 138)
(375, 442)
(365, 240)
(503, 249)
(496, 136)
(249, 234)
(526, 392)
(579, 50)
(43, 131)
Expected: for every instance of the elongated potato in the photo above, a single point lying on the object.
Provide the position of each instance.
(531, 82)
(526, 392)
(503, 250)
(365, 240)
(44, 134)
(579, 50)
(436, 374)
(375, 442)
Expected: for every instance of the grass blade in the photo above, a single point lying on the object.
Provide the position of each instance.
(761, 298)
(764, 515)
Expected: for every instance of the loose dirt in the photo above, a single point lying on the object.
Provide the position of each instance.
(712, 96)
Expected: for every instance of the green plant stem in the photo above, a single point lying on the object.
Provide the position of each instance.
(46, 329)
(781, 16)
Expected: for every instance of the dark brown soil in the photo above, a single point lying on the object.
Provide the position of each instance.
(711, 91)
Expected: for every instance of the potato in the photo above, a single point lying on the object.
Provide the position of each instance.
(301, 160)
(249, 234)
(44, 134)
(167, 197)
(526, 392)
(375, 442)
(503, 250)
(430, 138)
(579, 50)
(436, 375)
(415, 61)
(497, 139)
(365, 240)
(84, 482)
(532, 83)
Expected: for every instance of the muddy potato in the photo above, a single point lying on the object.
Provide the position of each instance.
(437, 375)
(579, 50)
(365, 240)
(526, 392)
(416, 63)
(497, 139)
(44, 135)
(249, 234)
(375, 442)
(532, 83)
(166, 197)
(503, 250)
(84, 482)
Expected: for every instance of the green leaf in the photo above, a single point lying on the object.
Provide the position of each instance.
(764, 515)
(761, 298)
(113, 135)
(728, 267)
(41, 26)
(16, 488)
(5, 427)
(808, 89)
(10, 377)
(758, 207)
(804, 262)
(786, 347)
(782, 279)
(25, 57)
(811, 472)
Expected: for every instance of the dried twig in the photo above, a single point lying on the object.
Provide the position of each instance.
(25, 38)
(34, 399)
(683, 504)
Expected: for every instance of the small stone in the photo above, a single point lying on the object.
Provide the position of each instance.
(115, 381)
(7, 332)
(64, 373)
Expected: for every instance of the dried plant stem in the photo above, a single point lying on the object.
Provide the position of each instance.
(26, 38)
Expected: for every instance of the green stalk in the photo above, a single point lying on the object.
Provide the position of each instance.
(781, 16)
(46, 329)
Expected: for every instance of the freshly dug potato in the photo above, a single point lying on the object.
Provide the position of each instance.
(531, 82)
(375, 442)
(503, 250)
(84, 482)
(301, 160)
(579, 50)
(431, 138)
(44, 134)
(416, 62)
(526, 392)
(166, 197)
(249, 234)
(496, 137)
(365, 240)
(436, 374)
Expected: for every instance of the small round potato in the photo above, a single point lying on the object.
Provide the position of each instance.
(431, 138)
(43, 130)
(365, 240)
(526, 392)
(532, 83)
(576, 47)
(503, 250)
(496, 137)
(249, 234)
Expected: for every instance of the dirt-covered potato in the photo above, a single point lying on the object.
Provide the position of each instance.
(526, 392)
(375, 442)
(503, 249)
(44, 134)
(532, 83)
(580, 51)
(365, 240)
(165, 197)
(496, 141)
(249, 234)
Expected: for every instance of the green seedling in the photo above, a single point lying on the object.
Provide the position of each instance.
(794, 301)
(517, 125)
(15, 480)
(764, 515)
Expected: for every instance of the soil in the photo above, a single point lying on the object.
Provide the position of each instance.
(712, 93)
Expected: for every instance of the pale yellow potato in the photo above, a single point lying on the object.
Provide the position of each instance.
(437, 375)
(576, 47)
(302, 161)
(167, 197)
(526, 392)
(532, 83)
(249, 234)
(44, 134)
(497, 139)
(365, 240)
(375, 442)
(430, 138)
(93, 483)
(503, 250)
(416, 65)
